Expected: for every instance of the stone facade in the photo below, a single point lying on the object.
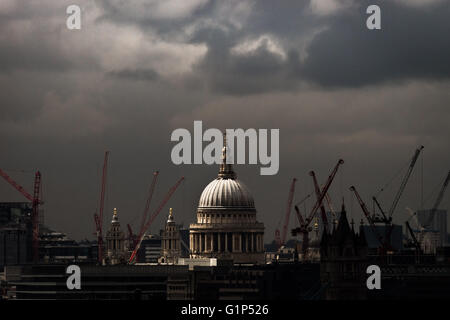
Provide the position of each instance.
(115, 242)
(170, 241)
(226, 225)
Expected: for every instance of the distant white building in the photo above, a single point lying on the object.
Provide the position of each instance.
(439, 224)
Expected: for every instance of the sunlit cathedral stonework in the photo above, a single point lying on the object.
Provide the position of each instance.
(115, 242)
(226, 225)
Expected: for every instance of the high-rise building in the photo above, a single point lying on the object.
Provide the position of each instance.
(15, 233)
(150, 249)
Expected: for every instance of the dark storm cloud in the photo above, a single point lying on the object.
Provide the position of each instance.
(413, 43)
(132, 75)
(340, 50)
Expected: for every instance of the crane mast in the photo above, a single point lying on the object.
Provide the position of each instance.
(367, 214)
(437, 202)
(99, 218)
(35, 201)
(35, 215)
(413, 236)
(288, 211)
(152, 217)
(322, 207)
(324, 191)
(304, 224)
(404, 181)
(149, 200)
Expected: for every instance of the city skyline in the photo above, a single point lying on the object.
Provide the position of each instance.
(137, 71)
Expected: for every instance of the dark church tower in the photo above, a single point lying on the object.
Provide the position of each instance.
(343, 262)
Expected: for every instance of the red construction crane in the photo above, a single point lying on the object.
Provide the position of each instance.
(303, 229)
(35, 200)
(99, 218)
(149, 200)
(288, 211)
(322, 207)
(152, 217)
(299, 216)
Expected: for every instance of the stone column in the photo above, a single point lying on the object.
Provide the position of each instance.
(233, 242)
(226, 242)
(261, 244)
(247, 242)
(197, 242)
(212, 242)
(239, 242)
(201, 242)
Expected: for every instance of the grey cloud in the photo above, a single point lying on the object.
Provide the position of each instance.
(352, 97)
(411, 45)
(137, 74)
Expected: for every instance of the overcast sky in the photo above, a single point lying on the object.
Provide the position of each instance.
(139, 69)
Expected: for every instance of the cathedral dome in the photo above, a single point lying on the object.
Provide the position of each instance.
(226, 192)
(226, 226)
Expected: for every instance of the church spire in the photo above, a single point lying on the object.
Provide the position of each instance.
(170, 219)
(115, 218)
(226, 169)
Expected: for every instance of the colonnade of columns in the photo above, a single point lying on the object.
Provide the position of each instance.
(222, 242)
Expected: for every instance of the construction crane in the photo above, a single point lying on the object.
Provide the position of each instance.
(437, 202)
(424, 227)
(304, 224)
(304, 199)
(299, 216)
(35, 201)
(131, 238)
(277, 232)
(149, 200)
(322, 207)
(368, 216)
(387, 218)
(288, 211)
(330, 205)
(404, 182)
(375, 217)
(98, 218)
(152, 218)
(304, 229)
(413, 236)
